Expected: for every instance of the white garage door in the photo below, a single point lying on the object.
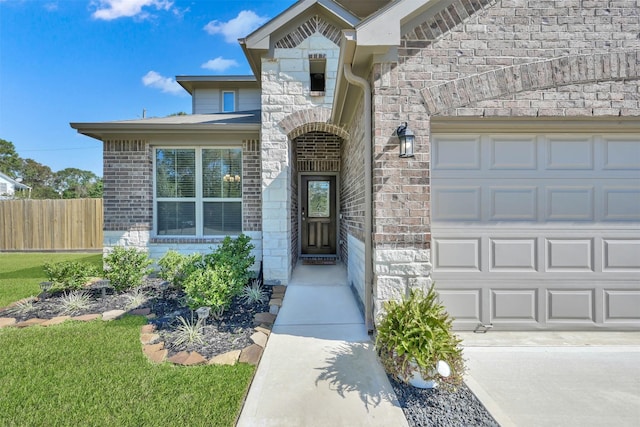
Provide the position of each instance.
(537, 231)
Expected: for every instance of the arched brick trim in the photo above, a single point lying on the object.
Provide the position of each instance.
(445, 20)
(313, 25)
(496, 84)
(311, 120)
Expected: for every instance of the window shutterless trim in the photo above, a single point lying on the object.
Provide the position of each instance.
(199, 200)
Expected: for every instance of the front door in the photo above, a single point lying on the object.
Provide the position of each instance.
(318, 215)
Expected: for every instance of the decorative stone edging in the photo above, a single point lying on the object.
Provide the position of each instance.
(154, 349)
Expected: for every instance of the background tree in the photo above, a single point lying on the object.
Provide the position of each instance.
(73, 183)
(40, 178)
(10, 162)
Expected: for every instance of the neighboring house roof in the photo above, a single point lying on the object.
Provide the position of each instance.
(16, 184)
(242, 121)
(190, 83)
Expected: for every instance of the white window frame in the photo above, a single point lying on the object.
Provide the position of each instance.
(199, 200)
(235, 101)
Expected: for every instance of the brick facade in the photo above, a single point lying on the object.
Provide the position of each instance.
(251, 186)
(487, 58)
(128, 185)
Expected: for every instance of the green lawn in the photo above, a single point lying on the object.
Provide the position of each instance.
(21, 273)
(95, 374)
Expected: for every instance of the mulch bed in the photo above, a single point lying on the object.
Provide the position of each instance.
(230, 332)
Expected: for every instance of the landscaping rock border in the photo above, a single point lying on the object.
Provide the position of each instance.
(154, 349)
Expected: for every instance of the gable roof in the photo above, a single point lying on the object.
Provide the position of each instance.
(260, 41)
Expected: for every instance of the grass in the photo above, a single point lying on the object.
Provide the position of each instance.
(95, 374)
(21, 273)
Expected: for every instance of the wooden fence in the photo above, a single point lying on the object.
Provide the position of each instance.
(51, 225)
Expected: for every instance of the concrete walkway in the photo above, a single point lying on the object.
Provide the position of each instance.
(319, 367)
(556, 378)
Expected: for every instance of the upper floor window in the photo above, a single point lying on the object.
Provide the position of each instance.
(198, 191)
(228, 102)
(317, 69)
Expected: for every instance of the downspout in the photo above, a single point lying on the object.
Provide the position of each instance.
(368, 206)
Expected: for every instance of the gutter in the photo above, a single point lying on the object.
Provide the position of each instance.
(368, 185)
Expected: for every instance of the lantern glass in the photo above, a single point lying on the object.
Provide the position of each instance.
(407, 140)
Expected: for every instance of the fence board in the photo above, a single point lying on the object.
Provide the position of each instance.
(66, 224)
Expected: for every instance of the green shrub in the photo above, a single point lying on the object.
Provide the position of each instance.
(175, 267)
(126, 267)
(68, 275)
(419, 330)
(235, 256)
(209, 288)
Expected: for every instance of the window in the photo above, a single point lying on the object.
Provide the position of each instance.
(228, 102)
(198, 191)
(317, 69)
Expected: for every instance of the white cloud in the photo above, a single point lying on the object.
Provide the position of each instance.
(238, 27)
(51, 7)
(114, 9)
(165, 84)
(220, 64)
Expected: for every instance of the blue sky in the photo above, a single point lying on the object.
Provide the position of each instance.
(101, 60)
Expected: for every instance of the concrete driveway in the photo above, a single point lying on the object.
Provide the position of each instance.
(556, 378)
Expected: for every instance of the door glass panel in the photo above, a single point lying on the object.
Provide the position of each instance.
(318, 199)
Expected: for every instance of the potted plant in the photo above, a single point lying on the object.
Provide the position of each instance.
(416, 344)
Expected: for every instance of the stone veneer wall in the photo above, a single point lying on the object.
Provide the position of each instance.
(487, 58)
(287, 99)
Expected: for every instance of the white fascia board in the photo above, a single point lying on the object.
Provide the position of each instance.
(101, 130)
(384, 27)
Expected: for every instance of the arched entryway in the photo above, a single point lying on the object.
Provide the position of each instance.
(315, 210)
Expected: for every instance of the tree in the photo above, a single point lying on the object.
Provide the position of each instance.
(40, 178)
(73, 183)
(10, 162)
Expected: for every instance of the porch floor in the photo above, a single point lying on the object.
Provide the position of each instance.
(320, 367)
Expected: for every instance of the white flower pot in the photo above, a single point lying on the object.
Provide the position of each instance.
(416, 380)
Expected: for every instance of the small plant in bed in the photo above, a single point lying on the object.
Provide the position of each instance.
(68, 275)
(126, 267)
(415, 336)
(75, 302)
(254, 293)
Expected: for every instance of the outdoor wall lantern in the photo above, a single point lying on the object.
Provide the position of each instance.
(407, 138)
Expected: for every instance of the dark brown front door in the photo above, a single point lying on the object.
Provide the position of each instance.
(318, 215)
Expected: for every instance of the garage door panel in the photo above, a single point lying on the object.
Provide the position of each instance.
(457, 203)
(457, 254)
(457, 153)
(622, 305)
(570, 153)
(621, 203)
(570, 305)
(513, 153)
(464, 305)
(513, 255)
(570, 255)
(621, 254)
(622, 153)
(570, 203)
(513, 203)
(514, 305)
